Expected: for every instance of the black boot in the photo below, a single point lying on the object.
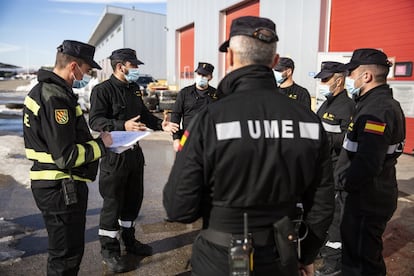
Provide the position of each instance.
(118, 264)
(109, 247)
(111, 255)
(132, 245)
(329, 268)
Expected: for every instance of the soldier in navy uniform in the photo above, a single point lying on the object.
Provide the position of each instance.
(335, 112)
(284, 77)
(116, 104)
(366, 164)
(64, 153)
(191, 99)
(253, 152)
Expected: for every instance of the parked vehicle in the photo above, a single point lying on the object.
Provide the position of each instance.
(144, 80)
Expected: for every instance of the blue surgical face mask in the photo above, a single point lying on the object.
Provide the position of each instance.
(350, 86)
(83, 82)
(133, 75)
(324, 90)
(201, 81)
(279, 77)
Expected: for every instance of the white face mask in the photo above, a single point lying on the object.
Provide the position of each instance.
(133, 75)
(324, 90)
(350, 86)
(279, 77)
(201, 81)
(83, 82)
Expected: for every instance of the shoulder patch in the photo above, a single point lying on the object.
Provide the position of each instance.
(375, 127)
(61, 116)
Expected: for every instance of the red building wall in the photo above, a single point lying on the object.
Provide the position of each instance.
(384, 24)
(381, 24)
(187, 52)
(249, 8)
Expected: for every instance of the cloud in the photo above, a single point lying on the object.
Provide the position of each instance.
(6, 48)
(112, 1)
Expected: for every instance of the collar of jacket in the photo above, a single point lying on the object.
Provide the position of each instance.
(50, 77)
(120, 83)
(207, 92)
(247, 77)
(341, 94)
(380, 89)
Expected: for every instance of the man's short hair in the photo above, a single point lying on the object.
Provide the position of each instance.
(285, 63)
(253, 51)
(63, 59)
(380, 72)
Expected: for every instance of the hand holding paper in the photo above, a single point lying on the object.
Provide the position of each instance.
(124, 140)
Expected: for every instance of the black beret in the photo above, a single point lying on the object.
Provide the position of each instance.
(126, 54)
(284, 62)
(260, 28)
(205, 68)
(79, 50)
(329, 68)
(366, 56)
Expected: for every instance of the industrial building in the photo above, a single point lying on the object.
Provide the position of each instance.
(129, 28)
(310, 31)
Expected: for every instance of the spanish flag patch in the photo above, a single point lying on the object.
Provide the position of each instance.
(375, 127)
(183, 139)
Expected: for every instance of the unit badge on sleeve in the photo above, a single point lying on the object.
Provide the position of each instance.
(61, 116)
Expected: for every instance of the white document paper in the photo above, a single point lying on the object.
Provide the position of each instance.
(124, 140)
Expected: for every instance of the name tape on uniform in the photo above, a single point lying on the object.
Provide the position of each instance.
(268, 129)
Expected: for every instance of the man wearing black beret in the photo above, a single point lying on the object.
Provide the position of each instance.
(64, 153)
(366, 165)
(335, 113)
(116, 105)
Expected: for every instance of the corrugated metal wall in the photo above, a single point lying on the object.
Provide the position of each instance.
(297, 24)
(249, 8)
(141, 31)
(385, 24)
(186, 54)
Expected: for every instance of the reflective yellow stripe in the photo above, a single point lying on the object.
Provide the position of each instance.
(96, 150)
(31, 105)
(81, 155)
(53, 175)
(79, 111)
(42, 157)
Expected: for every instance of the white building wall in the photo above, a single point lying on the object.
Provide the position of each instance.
(113, 40)
(297, 24)
(141, 31)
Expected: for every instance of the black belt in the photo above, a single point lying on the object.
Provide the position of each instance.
(260, 238)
